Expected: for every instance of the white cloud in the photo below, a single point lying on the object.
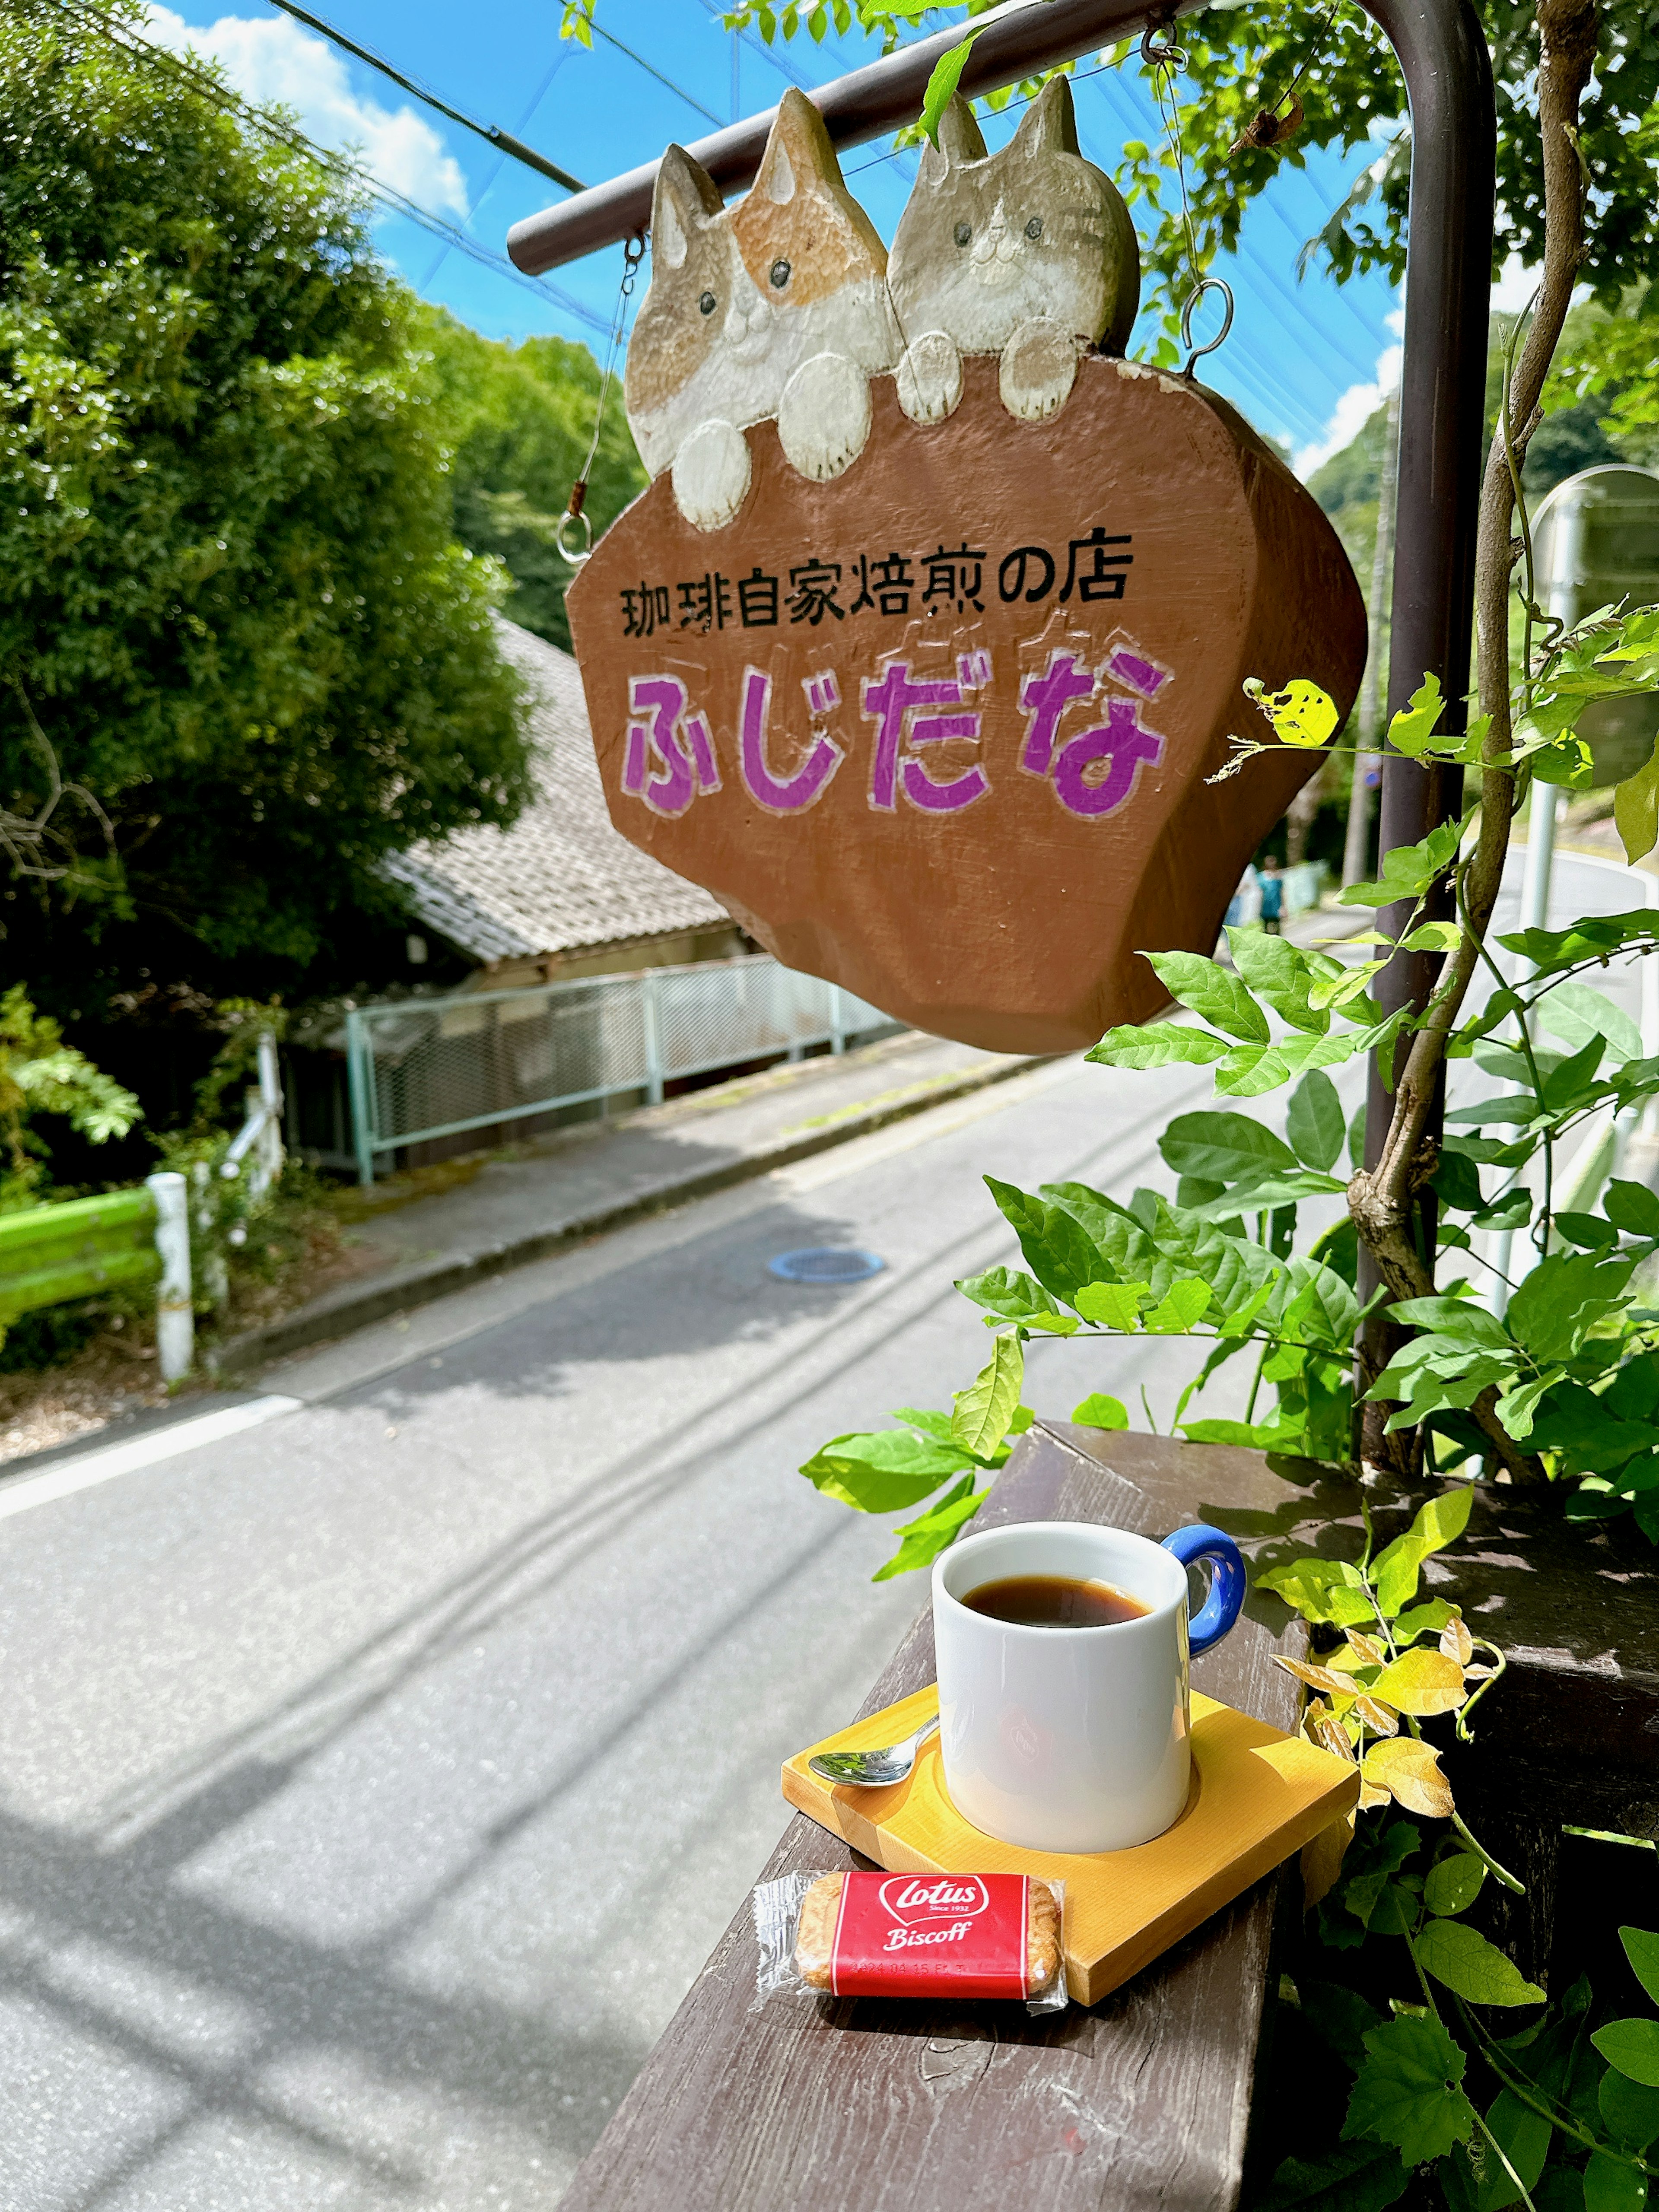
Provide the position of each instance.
(1355, 406)
(278, 61)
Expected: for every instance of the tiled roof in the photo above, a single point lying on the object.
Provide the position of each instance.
(562, 878)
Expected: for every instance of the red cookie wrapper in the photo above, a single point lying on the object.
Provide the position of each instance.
(956, 1935)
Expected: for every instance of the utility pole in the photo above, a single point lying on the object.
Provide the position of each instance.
(1367, 761)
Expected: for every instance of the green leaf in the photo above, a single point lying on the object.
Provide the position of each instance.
(942, 85)
(1636, 810)
(1413, 725)
(1610, 2185)
(1409, 2094)
(1097, 1411)
(1459, 1320)
(1184, 1304)
(1319, 1590)
(1212, 993)
(883, 1471)
(1473, 1969)
(1575, 1013)
(1018, 1298)
(1157, 1044)
(1454, 1884)
(1283, 976)
(1629, 2109)
(1631, 2045)
(1315, 1122)
(1632, 1207)
(1230, 1149)
(1409, 870)
(1642, 1949)
(1524, 2136)
(1057, 1249)
(1557, 1305)
(1358, 2177)
(985, 1408)
(1440, 1523)
(1423, 1620)
(1116, 1305)
(921, 1542)
(1302, 715)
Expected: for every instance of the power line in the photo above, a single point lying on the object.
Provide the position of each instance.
(679, 90)
(213, 88)
(504, 141)
(488, 183)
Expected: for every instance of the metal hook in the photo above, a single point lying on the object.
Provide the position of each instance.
(1205, 284)
(575, 559)
(1162, 54)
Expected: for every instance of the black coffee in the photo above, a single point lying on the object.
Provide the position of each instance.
(1055, 1602)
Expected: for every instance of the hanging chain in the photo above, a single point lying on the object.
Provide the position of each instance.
(1164, 60)
(633, 254)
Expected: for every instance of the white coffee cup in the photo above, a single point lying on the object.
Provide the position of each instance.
(1064, 1739)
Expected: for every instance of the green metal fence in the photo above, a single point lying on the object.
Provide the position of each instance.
(54, 1254)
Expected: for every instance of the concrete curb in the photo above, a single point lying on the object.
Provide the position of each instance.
(352, 1307)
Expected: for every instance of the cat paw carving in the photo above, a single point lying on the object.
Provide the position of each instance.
(711, 475)
(930, 378)
(1039, 367)
(823, 416)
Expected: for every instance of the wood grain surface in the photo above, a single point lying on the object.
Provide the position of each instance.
(857, 2104)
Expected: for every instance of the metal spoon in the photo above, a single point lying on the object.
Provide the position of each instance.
(873, 1770)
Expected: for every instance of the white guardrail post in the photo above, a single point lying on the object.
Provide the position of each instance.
(175, 1314)
(651, 1025)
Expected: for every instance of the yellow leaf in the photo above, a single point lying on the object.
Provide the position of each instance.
(1330, 1736)
(1378, 1718)
(1421, 1681)
(1456, 1643)
(1410, 1773)
(1370, 1651)
(1316, 1678)
(1321, 1860)
(1636, 811)
(1302, 715)
(1370, 1797)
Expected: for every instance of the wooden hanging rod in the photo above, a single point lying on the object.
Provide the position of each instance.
(1013, 42)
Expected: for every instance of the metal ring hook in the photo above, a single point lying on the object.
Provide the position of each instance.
(1161, 54)
(1205, 284)
(577, 558)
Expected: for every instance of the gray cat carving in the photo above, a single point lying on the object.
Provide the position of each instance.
(1028, 252)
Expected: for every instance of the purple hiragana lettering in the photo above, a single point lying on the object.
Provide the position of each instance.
(777, 794)
(1045, 699)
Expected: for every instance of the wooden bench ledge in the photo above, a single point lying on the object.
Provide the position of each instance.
(857, 2104)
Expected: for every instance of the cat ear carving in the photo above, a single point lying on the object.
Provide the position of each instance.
(1049, 124)
(685, 201)
(959, 140)
(799, 215)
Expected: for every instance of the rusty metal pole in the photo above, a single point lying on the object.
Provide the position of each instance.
(1443, 56)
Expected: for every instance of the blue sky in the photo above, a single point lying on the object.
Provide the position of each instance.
(1306, 359)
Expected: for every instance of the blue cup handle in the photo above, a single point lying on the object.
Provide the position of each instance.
(1227, 1585)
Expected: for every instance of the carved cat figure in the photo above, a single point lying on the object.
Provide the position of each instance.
(1028, 252)
(775, 307)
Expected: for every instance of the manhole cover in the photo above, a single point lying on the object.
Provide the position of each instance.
(825, 1263)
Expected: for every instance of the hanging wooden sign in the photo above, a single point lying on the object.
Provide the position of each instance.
(920, 665)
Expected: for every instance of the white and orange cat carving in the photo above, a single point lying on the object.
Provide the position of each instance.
(777, 307)
(1028, 252)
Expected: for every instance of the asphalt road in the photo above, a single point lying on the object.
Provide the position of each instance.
(374, 1783)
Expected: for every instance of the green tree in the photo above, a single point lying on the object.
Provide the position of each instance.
(232, 595)
(521, 420)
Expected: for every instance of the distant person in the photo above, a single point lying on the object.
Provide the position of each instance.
(1245, 903)
(1272, 898)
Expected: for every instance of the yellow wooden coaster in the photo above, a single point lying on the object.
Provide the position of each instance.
(1257, 1796)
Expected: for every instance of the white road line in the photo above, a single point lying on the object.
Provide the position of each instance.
(90, 1468)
